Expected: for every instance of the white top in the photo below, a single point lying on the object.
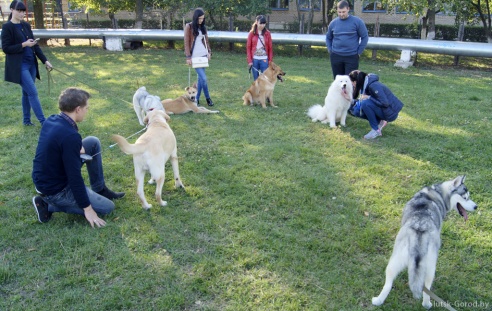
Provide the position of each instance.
(199, 50)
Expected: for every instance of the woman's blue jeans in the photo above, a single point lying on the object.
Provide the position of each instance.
(30, 94)
(64, 200)
(259, 65)
(373, 113)
(202, 83)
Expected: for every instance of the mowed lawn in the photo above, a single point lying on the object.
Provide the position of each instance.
(279, 213)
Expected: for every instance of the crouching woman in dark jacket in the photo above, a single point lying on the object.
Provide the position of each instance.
(376, 103)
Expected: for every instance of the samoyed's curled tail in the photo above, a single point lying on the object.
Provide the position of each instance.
(316, 112)
(127, 147)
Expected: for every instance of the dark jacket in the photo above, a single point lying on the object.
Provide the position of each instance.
(12, 46)
(383, 97)
(189, 38)
(57, 164)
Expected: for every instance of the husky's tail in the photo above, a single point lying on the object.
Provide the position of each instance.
(127, 147)
(315, 112)
(416, 268)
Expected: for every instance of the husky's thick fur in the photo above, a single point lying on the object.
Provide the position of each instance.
(337, 103)
(143, 102)
(151, 152)
(419, 239)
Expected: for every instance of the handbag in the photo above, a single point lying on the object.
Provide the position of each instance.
(199, 62)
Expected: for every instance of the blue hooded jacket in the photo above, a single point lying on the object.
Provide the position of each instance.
(382, 96)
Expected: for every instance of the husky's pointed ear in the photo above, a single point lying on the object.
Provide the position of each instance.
(194, 85)
(187, 88)
(458, 181)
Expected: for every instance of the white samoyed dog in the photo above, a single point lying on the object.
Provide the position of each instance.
(337, 103)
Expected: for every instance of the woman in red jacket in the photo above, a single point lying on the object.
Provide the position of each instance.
(259, 47)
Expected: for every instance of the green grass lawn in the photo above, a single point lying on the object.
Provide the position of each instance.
(279, 213)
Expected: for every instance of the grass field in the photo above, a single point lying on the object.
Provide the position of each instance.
(279, 213)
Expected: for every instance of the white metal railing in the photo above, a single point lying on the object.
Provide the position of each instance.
(375, 43)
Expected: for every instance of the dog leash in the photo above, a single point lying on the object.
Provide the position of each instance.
(50, 78)
(441, 302)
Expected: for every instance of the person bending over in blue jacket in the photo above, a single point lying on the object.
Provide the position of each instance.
(346, 39)
(376, 102)
(57, 165)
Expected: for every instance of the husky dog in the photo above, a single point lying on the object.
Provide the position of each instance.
(143, 102)
(419, 239)
(337, 103)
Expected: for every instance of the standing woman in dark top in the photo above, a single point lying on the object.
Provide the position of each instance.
(21, 64)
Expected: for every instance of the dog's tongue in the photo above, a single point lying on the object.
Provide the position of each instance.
(462, 212)
(344, 90)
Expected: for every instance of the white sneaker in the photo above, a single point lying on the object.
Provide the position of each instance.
(382, 124)
(372, 134)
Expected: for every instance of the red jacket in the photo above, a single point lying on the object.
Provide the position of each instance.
(253, 41)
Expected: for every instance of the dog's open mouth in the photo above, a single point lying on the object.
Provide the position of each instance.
(344, 89)
(279, 77)
(462, 211)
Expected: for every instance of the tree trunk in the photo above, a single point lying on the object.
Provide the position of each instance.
(376, 34)
(38, 14)
(114, 21)
(423, 31)
(59, 7)
(431, 24)
(139, 8)
(461, 35)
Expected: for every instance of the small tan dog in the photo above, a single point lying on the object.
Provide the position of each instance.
(262, 88)
(185, 103)
(151, 152)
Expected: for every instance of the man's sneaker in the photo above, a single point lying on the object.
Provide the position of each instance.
(382, 124)
(372, 134)
(41, 208)
(105, 192)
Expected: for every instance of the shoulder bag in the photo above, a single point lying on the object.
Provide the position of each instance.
(200, 62)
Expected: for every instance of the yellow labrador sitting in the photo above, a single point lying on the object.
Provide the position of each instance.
(185, 103)
(151, 152)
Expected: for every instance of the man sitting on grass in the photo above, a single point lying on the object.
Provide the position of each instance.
(57, 165)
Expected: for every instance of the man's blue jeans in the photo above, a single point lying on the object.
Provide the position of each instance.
(202, 83)
(64, 200)
(30, 94)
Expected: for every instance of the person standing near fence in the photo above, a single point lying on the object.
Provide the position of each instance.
(259, 51)
(346, 39)
(21, 61)
(196, 45)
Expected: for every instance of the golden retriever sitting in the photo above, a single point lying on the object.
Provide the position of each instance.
(262, 89)
(185, 103)
(151, 152)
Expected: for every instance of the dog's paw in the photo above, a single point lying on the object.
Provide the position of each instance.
(427, 304)
(151, 181)
(376, 301)
(163, 203)
(147, 206)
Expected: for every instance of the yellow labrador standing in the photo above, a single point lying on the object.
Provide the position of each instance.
(151, 152)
